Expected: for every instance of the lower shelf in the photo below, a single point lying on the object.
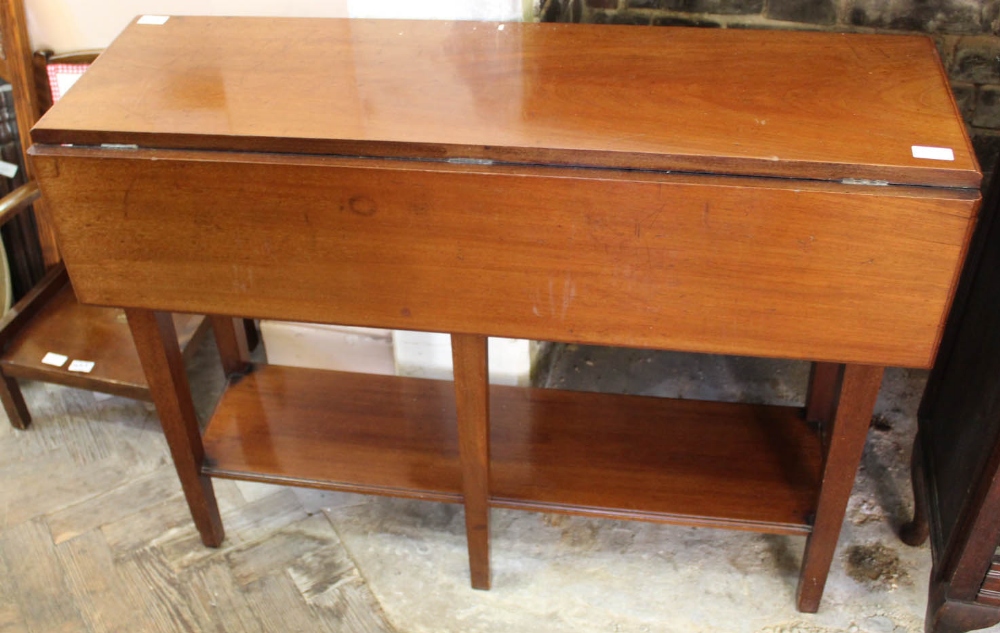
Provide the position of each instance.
(687, 462)
(83, 332)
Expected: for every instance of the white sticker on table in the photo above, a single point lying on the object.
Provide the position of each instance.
(56, 360)
(155, 20)
(933, 153)
(84, 366)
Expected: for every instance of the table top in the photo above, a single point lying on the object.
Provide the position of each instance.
(792, 104)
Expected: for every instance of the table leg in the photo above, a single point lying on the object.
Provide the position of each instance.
(250, 333)
(822, 395)
(473, 408)
(859, 388)
(916, 531)
(231, 339)
(156, 342)
(13, 403)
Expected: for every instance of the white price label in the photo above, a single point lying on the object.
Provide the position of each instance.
(83, 366)
(933, 153)
(8, 170)
(155, 20)
(56, 360)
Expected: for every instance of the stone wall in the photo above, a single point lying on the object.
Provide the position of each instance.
(967, 33)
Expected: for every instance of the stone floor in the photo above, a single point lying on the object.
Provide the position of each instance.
(95, 536)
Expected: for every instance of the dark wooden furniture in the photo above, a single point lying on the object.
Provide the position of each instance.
(482, 179)
(956, 459)
(16, 69)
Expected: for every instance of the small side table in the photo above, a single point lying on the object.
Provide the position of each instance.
(480, 180)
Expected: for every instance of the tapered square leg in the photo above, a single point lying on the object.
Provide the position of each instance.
(13, 403)
(156, 342)
(231, 339)
(859, 386)
(822, 395)
(473, 409)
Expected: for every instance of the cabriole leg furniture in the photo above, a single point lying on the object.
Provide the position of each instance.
(424, 182)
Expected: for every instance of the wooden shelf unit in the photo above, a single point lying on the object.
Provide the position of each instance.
(85, 332)
(607, 455)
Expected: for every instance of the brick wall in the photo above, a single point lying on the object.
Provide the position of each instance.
(967, 33)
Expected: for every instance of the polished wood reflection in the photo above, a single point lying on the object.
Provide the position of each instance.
(675, 461)
(521, 181)
(810, 105)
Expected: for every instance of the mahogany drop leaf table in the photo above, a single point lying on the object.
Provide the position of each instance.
(781, 194)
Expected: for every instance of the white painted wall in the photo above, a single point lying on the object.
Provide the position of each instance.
(71, 25)
(428, 355)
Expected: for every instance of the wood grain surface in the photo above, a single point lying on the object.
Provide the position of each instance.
(800, 104)
(472, 411)
(502, 226)
(673, 461)
(859, 387)
(160, 355)
(740, 266)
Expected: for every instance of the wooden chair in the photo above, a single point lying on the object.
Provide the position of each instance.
(49, 320)
(49, 69)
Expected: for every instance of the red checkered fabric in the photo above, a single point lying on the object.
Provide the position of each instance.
(62, 76)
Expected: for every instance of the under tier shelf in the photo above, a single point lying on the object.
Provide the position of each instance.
(688, 462)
